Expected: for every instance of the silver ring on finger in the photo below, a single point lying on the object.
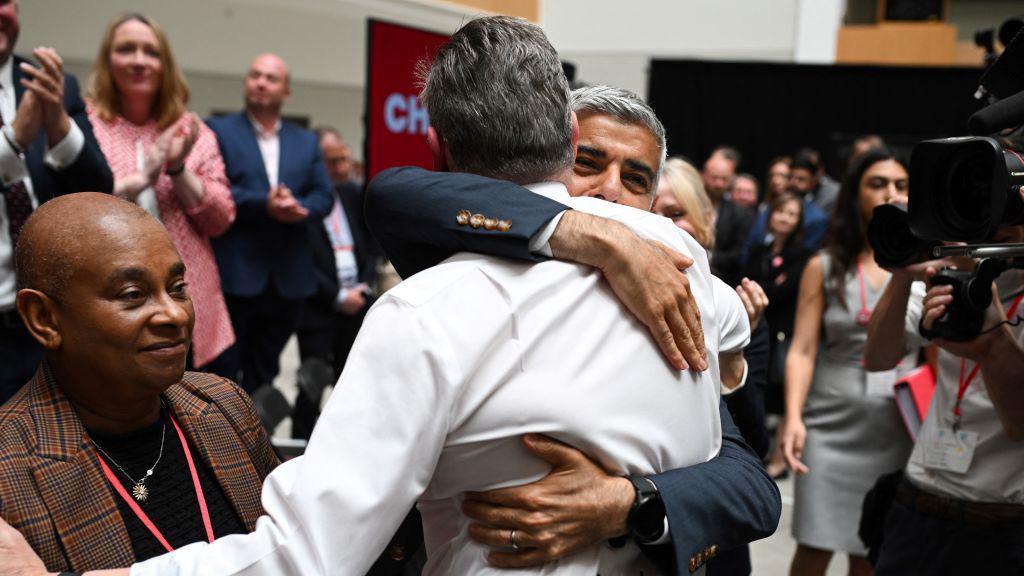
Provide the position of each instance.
(512, 539)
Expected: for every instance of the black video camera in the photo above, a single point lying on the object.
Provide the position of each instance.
(961, 190)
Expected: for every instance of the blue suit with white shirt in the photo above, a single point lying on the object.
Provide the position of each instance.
(257, 249)
(266, 266)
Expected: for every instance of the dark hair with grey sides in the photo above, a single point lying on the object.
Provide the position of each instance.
(498, 98)
(626, 107)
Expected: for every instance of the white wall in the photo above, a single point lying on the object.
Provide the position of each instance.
(323, 41)
(818, 23)
(612, 40)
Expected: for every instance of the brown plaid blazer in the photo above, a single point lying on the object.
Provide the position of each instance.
(53, 490)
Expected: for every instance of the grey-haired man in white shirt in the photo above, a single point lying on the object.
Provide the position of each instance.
(456, 364)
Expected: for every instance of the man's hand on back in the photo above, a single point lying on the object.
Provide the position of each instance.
(646, 276)
(576, 505)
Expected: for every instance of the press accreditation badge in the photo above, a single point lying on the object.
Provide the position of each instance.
(946, 449)
(881, 383)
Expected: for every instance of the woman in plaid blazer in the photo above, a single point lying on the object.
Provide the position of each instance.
(52, 488)
(103, 292)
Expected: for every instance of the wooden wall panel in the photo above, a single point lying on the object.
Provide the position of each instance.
(529, 9)
(909, 44)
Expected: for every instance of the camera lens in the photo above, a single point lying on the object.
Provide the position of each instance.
(968, 191)
(890, 237)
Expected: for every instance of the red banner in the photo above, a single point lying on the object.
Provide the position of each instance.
(396, 120)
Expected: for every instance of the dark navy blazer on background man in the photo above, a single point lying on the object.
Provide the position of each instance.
(258, 249)
(718, 505)
(266, 266)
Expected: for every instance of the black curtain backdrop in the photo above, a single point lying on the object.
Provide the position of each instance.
(766, 110)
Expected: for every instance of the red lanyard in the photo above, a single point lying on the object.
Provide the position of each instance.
(142, 515)
(965, 383)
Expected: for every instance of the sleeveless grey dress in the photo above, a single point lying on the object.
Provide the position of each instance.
(852, 438)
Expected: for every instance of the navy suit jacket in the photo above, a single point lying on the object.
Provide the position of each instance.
(319, 311)
(88, 173)
(257, 249)
(725, 502)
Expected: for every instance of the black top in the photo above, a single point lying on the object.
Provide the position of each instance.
(779, 275)
(172, 505)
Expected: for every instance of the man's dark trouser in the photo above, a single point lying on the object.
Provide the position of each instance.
(263, 324)
(331, 343)
(920, 543)
(20, 354)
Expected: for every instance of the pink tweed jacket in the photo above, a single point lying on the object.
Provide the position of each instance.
(190, 228)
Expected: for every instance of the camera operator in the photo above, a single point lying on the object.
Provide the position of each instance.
(960, 507)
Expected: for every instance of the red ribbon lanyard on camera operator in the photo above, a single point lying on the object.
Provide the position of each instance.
(864, 314)
(207, 524)
(966, 382)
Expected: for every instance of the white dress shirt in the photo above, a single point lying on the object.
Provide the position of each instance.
(269, 142)
(13, 169)
(450, 369)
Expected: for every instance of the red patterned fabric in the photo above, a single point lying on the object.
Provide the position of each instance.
(19, 207)
(18, 204)
(190, 228)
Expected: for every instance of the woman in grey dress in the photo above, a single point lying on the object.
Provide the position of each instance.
(842, 429)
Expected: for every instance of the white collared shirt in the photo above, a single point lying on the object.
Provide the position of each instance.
(449, 370)
(270, 147)
(13, 169)
(996, 472)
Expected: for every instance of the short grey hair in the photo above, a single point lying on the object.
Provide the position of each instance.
(498, 97)
(626, 107)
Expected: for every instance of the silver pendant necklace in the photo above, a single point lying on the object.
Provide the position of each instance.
(139, 490)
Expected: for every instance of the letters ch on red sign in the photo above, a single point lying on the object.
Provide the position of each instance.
(396, 120)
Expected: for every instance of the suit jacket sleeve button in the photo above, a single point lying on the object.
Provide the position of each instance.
(476, 220)
(504, 225)
(462, 218)
(490, 223)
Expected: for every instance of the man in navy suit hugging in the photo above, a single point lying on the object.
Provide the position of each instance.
(279, 182)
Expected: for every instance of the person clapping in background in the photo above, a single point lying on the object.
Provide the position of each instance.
(165, 160)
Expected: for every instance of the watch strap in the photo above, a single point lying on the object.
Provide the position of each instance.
(647, 502)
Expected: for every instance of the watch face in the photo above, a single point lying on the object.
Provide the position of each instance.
(649, 519)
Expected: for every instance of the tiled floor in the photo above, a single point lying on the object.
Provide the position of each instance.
(770, 556)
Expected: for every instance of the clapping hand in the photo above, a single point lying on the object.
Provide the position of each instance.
(283, 207)
(180, 138)
(45, 108)
(153, 160)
